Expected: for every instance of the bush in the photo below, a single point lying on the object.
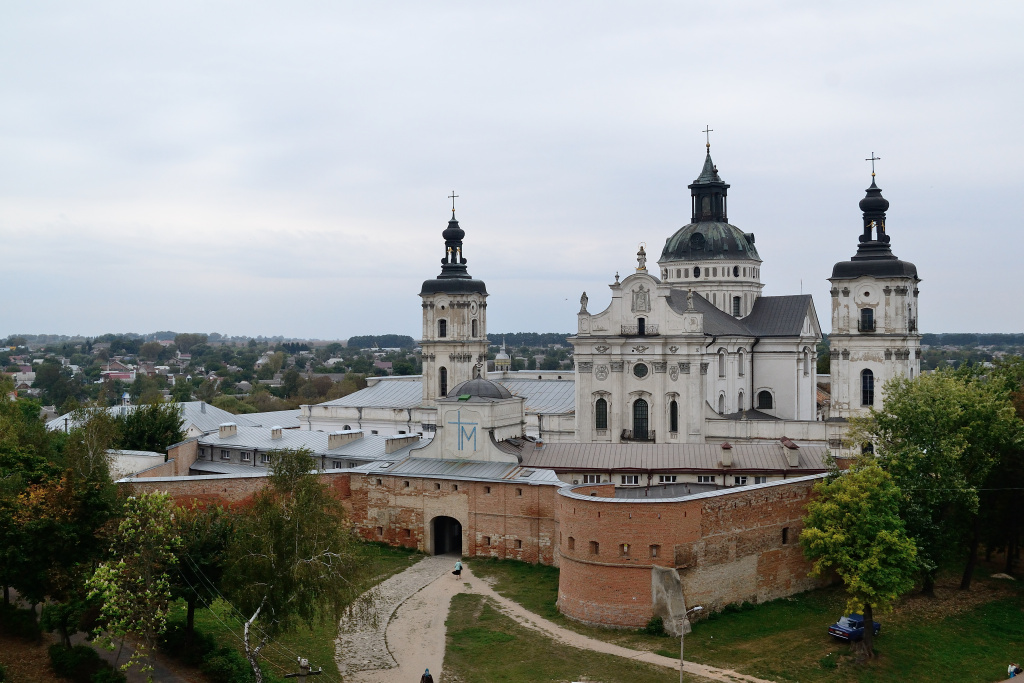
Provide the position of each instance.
(172, 643)
(108, 675)
(78, 663)
(655, 627)
(226, 666)
(20, 623)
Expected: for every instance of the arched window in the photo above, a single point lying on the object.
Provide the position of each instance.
(764, 400)
(739, 401)
(673, 416)
(442, 328)
(721, 363)
(735, 271)
(601, 414)
(740, 358)
(474, 327)
(867, 388)
(640, 419)
(721, 404)
(442, 382)
(346, 428)
(807, 362)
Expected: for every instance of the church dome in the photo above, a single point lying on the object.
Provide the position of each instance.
(454, 278)
(709, 240)
(479, 388)
(874, 257)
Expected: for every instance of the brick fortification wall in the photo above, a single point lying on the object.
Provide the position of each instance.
(727, 546)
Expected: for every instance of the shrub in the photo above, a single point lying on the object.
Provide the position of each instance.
(108, 675)
(226, 666)
(20, 623)
(172, 643)
(78, 663)
(3, 673)
(655, 627)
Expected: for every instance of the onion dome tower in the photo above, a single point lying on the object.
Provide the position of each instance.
(874, 315)
(709, 255)
(454, 321)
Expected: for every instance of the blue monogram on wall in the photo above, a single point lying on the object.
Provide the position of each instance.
(465, 435)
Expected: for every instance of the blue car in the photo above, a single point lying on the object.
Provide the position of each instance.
(850, 628)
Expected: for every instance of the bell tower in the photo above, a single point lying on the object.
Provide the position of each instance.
(454, 321)
(875, 333)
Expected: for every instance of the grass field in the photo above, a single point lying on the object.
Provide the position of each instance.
(316, 644)
(485, 646)
(970, 636)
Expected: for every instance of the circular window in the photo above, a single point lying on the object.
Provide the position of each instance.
(697, 241)
(867, 295)
(696, 271)
(640, 370)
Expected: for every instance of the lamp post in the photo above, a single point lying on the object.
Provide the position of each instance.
(682, 625)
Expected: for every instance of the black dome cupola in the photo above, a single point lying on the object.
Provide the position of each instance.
(454, 277)
(874, 206)
(708, 194)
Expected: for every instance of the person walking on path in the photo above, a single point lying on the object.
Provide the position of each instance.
(458, 569)
(426, 677)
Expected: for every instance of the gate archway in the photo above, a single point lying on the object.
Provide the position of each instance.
(446, 533)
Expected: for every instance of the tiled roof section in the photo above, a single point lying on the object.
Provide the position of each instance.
(384, 394)
(779, 316)
(716, 322)
(643, 457)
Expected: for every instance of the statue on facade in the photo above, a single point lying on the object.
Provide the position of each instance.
(641, 259)
(583, 303)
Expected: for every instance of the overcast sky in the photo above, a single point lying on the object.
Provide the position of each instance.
(282, 168)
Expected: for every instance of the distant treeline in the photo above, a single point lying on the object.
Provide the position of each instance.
(531, 339)
(972, 339)
(384, 341)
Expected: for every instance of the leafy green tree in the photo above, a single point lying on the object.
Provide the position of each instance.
(202, 557)
(151, 427)
(182, 391)
(853, 527)
(151, 350)
(939, 436)
(135, 585)
(187, 341)
(293, 557)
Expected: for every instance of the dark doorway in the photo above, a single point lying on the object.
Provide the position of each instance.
(447, 534)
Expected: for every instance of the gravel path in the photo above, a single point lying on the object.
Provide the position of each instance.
(408, 634)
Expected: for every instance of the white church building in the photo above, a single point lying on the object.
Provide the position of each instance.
(690, 353)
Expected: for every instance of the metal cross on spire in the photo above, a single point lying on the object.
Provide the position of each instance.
(873, 159)
(453, 196)
(707, 135)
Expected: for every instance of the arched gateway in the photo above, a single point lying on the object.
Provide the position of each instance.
(446, 533)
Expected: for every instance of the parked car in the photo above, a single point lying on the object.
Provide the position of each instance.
(850, 627)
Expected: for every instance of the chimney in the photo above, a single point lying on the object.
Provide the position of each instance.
(227, 429)
(275, 432)
(202, 407)
(398, 442)
(792, 449)
(726, 454)
(338, 439)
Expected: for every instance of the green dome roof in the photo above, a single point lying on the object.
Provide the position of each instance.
(709, 240)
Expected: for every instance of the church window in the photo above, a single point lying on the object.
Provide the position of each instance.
(442, 328)
(686, 272)
(677, 273)
(735, 271)
(640, 419)
(714, 272)
(736, 307)
(741, 357)
(867, 448)
(867, 388)
(764, 400)
(807, 363)
(601, 414)
(474, 327)
(696, 271)
(346, 427)
(673, 416)
(867, 320)
(721, 404)
(641, 326)
(744, 272)
(739, 401)
(640, 370)
(721, 363)
(442, 382)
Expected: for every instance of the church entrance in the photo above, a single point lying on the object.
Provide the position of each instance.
(447, 535)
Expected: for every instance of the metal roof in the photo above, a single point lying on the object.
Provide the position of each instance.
(192, 412)
(384, 394)
(779, 316)
(570, 491)
(462, 470)
(259, 438)
(767, 457)
(287, 419)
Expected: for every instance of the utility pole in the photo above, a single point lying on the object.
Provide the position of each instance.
(304, 671)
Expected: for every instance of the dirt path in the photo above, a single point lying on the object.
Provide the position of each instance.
(409, 635)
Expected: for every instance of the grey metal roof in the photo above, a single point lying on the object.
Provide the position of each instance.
(747, 415)
(570, 491)
(259, 438)
(288, 419)
(770, 456)
(779, 316)
(546, 396)
(192, 412)
(664, 490)
(207, 467)
(462, 470)
(383, 394)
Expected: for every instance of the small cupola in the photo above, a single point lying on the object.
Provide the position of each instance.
(454, 277)
(708, 194)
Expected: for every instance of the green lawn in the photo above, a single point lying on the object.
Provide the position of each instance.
(316, 644)
(973, 635)
(484, 646)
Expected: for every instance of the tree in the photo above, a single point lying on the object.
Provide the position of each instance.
(853, 527)
(135, 585)
(185, 342)
(151, 427)
(293, 557)
(151, 350)
(939, 436)
(202, 557)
